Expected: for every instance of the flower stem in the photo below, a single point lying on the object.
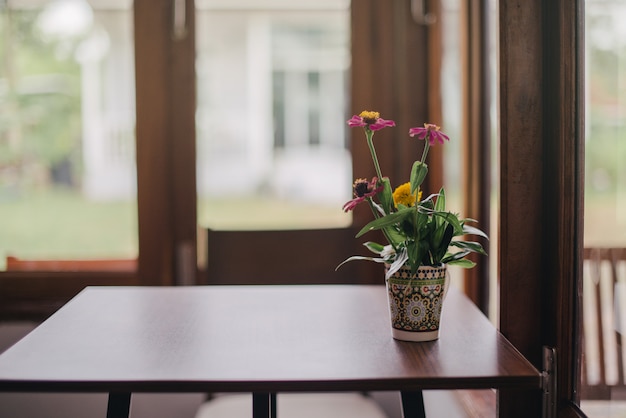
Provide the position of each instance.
(426, 147)
(423, 160)
(370, 143)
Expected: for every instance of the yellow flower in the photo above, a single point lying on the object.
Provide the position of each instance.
(369, 116)
(402, 195)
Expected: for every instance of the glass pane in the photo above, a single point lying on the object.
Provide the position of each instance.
(452, 92)
(604, 274)
(452, 124)
(67, 154)
(272, 109)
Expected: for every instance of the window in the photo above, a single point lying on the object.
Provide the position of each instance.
(273, 88)
(169, 108)
(604, 272)
(67, 141)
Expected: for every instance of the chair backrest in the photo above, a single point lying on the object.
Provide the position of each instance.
(604, 323)
(288, 257)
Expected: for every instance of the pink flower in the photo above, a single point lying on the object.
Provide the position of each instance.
(430, 130)
(371, 120)
(362, 190)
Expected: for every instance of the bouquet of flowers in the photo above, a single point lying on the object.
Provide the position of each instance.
(419, 231)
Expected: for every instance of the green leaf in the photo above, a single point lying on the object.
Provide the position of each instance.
(453, 220)
(440, 229)
(442, 242)
(463, 263)
(394, 236)
(440, 205)
(412, 250)
(472, 246)
(421, 219)
(374, 247)
(386, 196)
(418, 174)
(358, 257)
(385, 221)
(422, 255)
(470, 230)
(450, 257)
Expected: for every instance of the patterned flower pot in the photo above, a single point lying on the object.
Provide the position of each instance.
(416, 301)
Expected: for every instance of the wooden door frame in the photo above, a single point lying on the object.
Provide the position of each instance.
(541, 196)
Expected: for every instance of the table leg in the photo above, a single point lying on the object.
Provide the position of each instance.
(413, 404)
(263, 405)
(118, 405)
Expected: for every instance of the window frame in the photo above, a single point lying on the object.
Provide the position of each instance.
(541, 73)
(541, 128)
(165, 135)
(166, 198)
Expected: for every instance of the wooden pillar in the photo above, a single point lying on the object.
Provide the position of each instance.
(165, 85)
(541, 180)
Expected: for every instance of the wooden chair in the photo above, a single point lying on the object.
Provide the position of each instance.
(289, 257)
(604, 323)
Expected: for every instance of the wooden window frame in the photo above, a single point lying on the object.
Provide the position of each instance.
(541, 74)
(541, 197)
(166, 199)
(165, 135)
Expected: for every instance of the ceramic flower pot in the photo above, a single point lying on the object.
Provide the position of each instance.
(416, 302)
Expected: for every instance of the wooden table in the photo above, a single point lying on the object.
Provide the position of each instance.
(259, 339)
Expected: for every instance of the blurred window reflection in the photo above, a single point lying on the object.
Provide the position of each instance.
(67, 153)
(272, 105)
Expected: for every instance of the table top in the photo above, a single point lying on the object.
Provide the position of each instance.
(255, 338)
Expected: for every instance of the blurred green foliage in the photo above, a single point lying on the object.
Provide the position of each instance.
(40, 103)
(605, 148)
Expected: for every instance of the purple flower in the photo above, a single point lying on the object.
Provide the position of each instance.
(370, 120)
(431, 131)
(362, 189)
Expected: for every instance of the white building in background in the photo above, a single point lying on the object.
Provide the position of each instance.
(108, 105)
(272, 89)
(272, 94)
